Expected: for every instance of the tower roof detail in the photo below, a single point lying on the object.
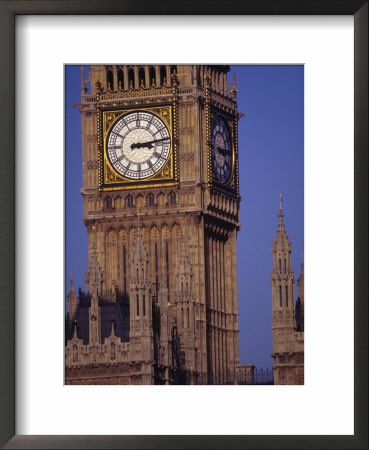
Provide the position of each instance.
(281, 241)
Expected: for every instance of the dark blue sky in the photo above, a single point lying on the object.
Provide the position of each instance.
(271, 147)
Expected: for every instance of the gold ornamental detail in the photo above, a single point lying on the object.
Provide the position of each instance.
(109, 178)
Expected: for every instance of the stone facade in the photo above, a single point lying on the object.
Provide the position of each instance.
(288, 319)
(162, 254)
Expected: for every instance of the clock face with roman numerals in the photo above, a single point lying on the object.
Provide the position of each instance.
(138, 145)
(221, 149)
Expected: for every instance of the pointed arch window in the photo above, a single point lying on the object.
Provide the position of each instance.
(163, 73)
(129, 201)
(152, 75)
(141, 76)
(120, 79)
(150, 199)
(172, 198)
(143, 305)
(75, 353)
(131, 78)
(138, 305)
(110, 79)
(280, 265)
(287, 296)
(108, 203)
(280, 296)
(285, 265)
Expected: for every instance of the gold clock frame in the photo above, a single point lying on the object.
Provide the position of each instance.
(231, 120)
(109, 178)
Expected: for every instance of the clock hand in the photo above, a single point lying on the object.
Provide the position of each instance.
(223, 150)
(147, 144)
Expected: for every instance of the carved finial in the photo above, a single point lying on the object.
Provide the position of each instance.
(174, 78)
(207, 79)
(98, 86)
(280, 201)
(112, 332)
(71, 281)
(119, 85)
(234, 91)
(83, 82)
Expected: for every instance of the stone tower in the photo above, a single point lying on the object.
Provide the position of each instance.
(160, 143)
(288, 344)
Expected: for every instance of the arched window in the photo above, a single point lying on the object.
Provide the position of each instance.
(141, 76)
(150, 199)
(108, 203)
(110, 80)
(280, 296)
(152, 76)
(287, 296)
(75, 353)
(138, 304)
(285, 265)
(129, 201)
(120, 79)
(163, 73)
(131, 78)
(112, 350)
(280, 265)
(172, 198)
(143, 305)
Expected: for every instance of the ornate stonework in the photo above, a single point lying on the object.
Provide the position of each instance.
(161, 284)
(287, 322)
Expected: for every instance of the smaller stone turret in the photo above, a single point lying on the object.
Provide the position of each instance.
(72, 301)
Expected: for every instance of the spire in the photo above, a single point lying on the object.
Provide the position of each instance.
(281, 241)
(112, 332)
(72, 300)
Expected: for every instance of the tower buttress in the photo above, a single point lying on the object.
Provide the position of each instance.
(185, 309)
(94, 276)
(140, 301)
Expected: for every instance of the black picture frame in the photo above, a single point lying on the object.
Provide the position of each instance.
(8, 11)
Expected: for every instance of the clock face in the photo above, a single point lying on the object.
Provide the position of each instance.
(221, 149)
(138, 145)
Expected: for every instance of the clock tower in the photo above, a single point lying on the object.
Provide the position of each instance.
(161, 207)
